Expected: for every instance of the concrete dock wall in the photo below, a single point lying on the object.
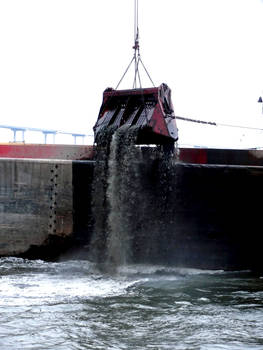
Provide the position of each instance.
(35, 203)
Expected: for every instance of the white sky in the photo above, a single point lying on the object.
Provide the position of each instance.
(57, 57)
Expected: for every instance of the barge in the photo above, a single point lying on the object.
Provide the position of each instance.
(213, 218)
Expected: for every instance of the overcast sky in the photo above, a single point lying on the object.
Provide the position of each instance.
(57, 57)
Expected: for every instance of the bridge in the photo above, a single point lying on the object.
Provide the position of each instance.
(22, 130)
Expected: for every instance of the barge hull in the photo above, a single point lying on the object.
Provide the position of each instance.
(212, 218)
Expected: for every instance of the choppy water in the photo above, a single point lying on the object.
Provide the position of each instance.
(71, 305)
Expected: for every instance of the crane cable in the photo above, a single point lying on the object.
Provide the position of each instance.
(136, 56)
(218, 124)
(136, 46)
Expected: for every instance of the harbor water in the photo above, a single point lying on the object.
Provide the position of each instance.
(72, 305)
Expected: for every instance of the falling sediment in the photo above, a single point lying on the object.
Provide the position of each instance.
(100, 205)
(130, 199)
(122, 192)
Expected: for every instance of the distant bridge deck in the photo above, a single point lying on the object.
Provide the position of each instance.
(45, 132)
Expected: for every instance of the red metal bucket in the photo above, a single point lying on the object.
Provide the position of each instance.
(149, 109)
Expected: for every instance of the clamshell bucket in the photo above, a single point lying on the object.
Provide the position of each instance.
(149, 109)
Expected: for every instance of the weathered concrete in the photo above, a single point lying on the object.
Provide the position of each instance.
(35, 203)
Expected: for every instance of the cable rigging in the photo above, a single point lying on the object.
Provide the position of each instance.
(218, 124)
(136, 56)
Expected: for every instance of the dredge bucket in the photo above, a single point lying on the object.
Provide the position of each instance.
(149, 109)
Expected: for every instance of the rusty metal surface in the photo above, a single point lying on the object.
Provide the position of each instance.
(42, 151)
(85, 152)
(150, 110)
(221, 156)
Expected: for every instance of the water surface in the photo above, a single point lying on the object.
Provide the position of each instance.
(72, 305)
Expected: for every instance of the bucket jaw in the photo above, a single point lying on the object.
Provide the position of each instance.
(149, 109)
